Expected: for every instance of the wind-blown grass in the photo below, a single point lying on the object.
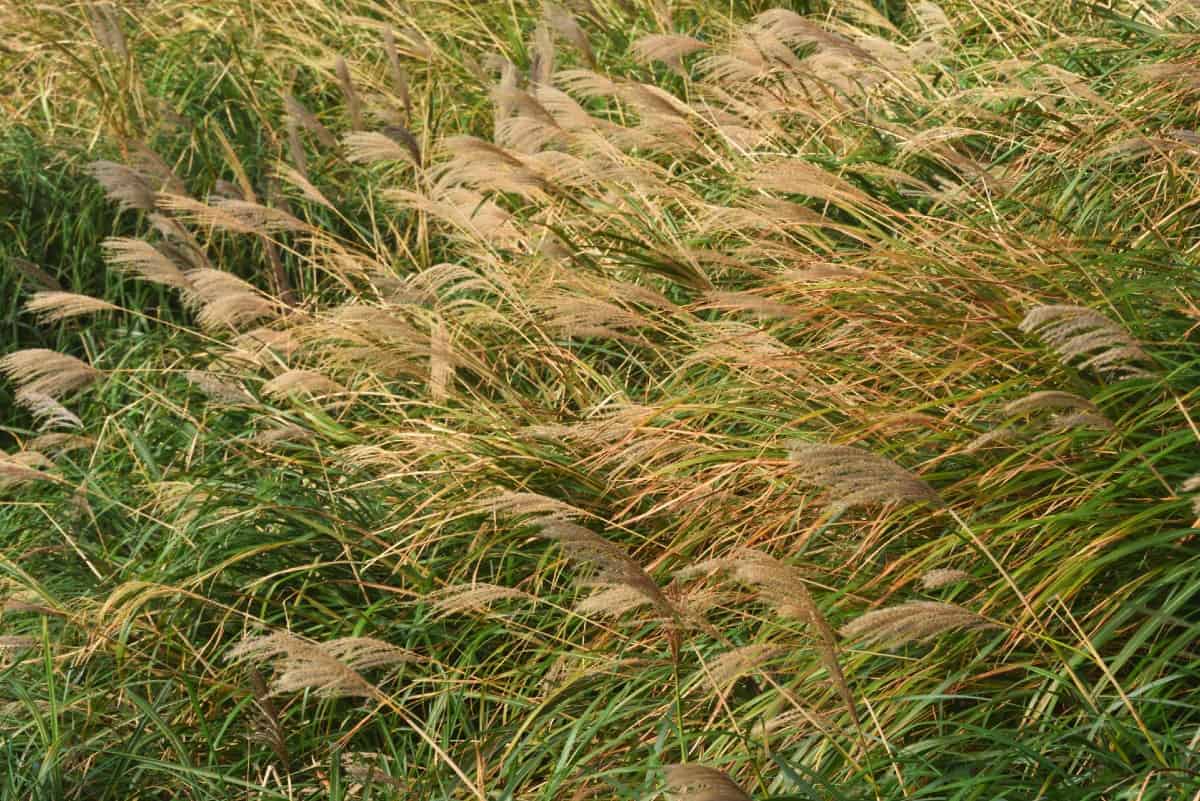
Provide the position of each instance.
(447, 359)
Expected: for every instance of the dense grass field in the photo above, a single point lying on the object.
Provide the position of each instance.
(504, 401)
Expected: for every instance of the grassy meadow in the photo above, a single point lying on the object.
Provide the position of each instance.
(710, 400)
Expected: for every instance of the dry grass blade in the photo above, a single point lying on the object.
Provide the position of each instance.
(330, 669)
(854, 477)
(913, 621)
(53, 307)
(691, 782)
(47, 372)
(1082, 335)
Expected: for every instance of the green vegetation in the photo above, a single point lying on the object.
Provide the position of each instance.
(501, 401)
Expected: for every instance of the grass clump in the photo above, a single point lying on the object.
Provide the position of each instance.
(602, 399)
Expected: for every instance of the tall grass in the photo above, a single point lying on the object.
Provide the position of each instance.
(599, 400)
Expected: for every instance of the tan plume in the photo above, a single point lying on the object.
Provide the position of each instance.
(474, 597)
(53, 307)
(913, 621)
(693, 782)
(610, 563)
(943, 576)
(46, 410)
(854, 477)
(1085, 336)
(331, 669)
(142, 260)
(47, 372)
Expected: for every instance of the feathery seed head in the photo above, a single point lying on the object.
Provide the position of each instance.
(912, 621)
(330, 669)
(855, 477)
(941, 577)
(142, 260)
(53, 307)
(125, 185)
(47, 372)
(1082, 335)
(46, 410)
(693, 782)
(474, 597)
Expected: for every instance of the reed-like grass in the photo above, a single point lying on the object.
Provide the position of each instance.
(600, 400)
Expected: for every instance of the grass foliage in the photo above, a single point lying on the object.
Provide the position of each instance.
(496, 401)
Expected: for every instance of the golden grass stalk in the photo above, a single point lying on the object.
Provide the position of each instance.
(1049, 399)
(35, 274)
(124, 185)
(227, 301)
(353, 103)
(1192, 485)
(611, 564)
(56, 443)
(737, 662)
(565, 25)
(218, 388)
(301, 116)
(783, 587)
(305, 383)
(398, 75)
